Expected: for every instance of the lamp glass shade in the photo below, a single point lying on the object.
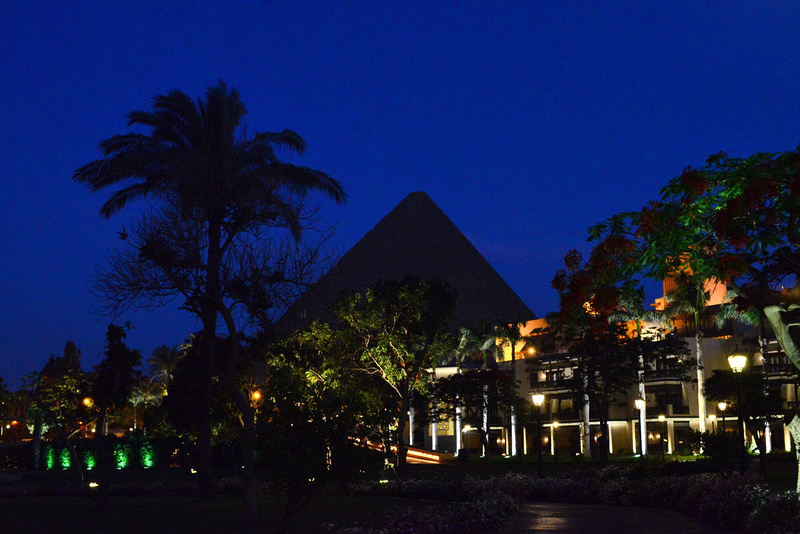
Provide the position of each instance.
(538, 399)
(737, 362)
(639, 403)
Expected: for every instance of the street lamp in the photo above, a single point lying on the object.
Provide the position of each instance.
(663, 420)
(737, 363)
(538, 400)
(722, 406)
(640, 404)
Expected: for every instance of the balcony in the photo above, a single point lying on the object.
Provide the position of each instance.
(560, 384)
(662, 374)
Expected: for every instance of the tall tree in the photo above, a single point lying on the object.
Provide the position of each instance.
(163, 363)
(631, 308)
(477, 391)
(398, 330)
(112, 383)
(511, 334)
(58, 393)
(217, 196)
(734, 220)
(690, 297)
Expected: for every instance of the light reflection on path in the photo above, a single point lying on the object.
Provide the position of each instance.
(594, 519)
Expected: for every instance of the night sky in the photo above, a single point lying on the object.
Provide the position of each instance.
(526, 122)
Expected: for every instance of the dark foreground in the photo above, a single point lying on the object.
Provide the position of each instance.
(594, 519)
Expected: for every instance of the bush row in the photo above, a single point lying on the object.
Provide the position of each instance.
(734, 502)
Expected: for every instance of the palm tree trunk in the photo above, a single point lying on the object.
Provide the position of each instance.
(205, 482)
(209, 319)
(249, 494)
(701, 398)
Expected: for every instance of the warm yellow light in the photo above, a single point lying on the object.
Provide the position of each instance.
(639, 403)
(662, 418)
(93, 484)
(555, 424)
(256, 395)
(712, 417)
(87, 401)
(538, 399)
(722, 406)
(737, 362)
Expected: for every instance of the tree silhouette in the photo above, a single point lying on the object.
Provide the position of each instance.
(218, 200)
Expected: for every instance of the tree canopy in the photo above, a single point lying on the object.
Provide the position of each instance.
(734, 220)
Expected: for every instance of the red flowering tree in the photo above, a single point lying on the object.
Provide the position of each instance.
(734, 220)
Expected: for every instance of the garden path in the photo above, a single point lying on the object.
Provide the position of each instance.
(596, 519)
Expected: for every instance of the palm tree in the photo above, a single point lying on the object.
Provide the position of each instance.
(631, 308)
(690, 297)
(510, 333)
(147, 391)
(163, 363)
(220, 186)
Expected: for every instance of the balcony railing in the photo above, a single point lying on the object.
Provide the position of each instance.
(662, 374)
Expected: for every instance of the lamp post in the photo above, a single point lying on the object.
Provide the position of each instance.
(737, 363)
(538, 400)
(722, 406)
(640, 404)
(663, 420)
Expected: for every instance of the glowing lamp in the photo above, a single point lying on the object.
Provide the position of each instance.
(737, 362)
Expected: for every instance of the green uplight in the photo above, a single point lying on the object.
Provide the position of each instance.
(89, 460)
(50, 458)
(147, 455)
(122, 454)
(64, 460)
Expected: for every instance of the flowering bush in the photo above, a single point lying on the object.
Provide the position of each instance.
(476, 505)
(776, 514)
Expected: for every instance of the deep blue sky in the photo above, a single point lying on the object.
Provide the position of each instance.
(527, 122)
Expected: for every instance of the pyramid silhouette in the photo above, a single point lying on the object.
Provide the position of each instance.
(415, 239)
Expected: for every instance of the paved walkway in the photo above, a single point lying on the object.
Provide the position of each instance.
(596, 519)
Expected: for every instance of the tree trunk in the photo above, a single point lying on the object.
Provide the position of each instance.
(701, 398)
(103, 465)
(484, 434)
(401, 446)
(249, 482)
(794, 430)
(38, 425)
(73, 454)
(761, 446)
(208, 315)
(205, 481)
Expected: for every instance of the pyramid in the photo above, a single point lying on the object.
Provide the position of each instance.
(415, 239)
